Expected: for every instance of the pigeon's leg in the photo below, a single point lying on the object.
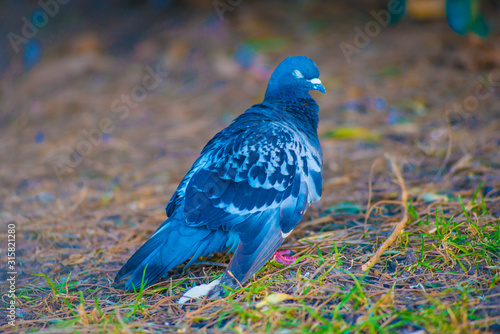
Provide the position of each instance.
(280, 257)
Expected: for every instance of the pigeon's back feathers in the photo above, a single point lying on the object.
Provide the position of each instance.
(248, 189)
(248, 170)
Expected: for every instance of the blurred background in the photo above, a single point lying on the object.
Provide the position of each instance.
(104, 105)
(121, 89)
(64, 63)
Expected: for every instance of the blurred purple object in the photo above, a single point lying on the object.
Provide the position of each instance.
(261, 71)
(39, 137)
(32, 54)
(106, 137)
(354, 105)
(212, 26)
(244, 55)
(379, 103)
(394, 116)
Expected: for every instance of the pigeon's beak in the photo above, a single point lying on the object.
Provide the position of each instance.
(317, 85)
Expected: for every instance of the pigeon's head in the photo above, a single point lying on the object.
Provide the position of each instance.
(294, 78)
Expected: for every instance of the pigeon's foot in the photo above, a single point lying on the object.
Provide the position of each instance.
(280, 257)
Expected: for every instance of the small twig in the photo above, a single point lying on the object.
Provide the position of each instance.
(370, 186)
(237, 281)
(313, 222)
(401, 225)
(81, 197)
(384, 201)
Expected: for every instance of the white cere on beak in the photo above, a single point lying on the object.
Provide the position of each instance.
(297, 74)
(315, 81)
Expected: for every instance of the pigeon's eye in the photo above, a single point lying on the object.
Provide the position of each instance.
(297, 74)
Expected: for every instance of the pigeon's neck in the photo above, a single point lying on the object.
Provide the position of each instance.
(302, 111)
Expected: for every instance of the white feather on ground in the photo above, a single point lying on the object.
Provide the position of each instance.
(198, 291)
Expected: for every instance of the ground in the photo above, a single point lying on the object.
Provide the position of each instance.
(87, 171)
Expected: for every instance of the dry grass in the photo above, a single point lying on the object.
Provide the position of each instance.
(440, 274)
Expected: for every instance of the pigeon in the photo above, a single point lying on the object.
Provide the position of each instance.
(248, 189)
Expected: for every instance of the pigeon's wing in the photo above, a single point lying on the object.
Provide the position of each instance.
(254, 170)
(255, 180)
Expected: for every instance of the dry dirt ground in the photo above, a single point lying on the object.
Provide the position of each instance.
(416, 93)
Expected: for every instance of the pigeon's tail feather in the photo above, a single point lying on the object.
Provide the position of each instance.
(172, 244)
(255, 248)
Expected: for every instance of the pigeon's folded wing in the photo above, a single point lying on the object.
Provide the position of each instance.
(233, 184)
